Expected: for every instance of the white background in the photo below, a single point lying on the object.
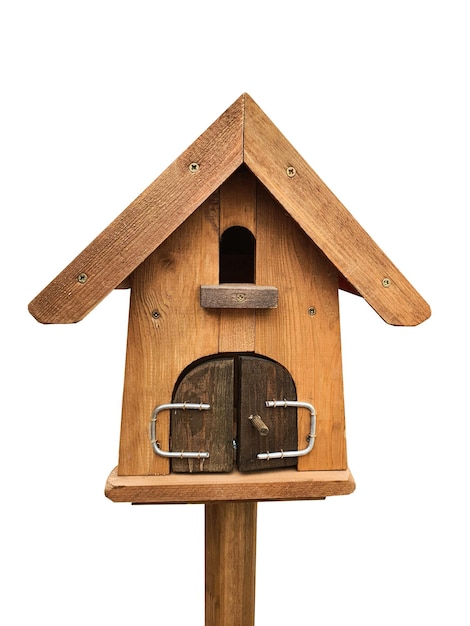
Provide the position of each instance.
(97, 99)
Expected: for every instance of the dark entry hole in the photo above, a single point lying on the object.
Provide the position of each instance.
(237, 256)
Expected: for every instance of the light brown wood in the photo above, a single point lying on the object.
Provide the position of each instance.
(243, 134)
(237, 208)
(230, 563)
(238, 296)
(161, 344)
(276, 485)
(327, 222)
(145, 224)
(158, 346)
(165, 245)
(307, 344)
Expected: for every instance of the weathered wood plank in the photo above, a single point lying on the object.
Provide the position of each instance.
(210, 431)
(277, 485)
(303, 333)
(238, 296)
(243, 134)
(261, 380)
(145, 224)
(277, 164)
(230, 563)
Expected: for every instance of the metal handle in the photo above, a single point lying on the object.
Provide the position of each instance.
(153, 421)
(266, 456)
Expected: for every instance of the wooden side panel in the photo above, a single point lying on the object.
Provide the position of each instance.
(261, 380)
(164, 300)
(303, 333)
(212, 430)
(327, 222)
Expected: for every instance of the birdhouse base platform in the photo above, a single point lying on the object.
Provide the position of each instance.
(284, 484)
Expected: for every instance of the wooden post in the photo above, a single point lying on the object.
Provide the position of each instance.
(230, 562)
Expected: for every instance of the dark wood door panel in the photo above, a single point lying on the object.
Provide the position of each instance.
(211, 381)
(237, 388)
(259, 380)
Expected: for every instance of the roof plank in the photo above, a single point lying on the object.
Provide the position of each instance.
(145, 223)
(243, 134)
(327, 222)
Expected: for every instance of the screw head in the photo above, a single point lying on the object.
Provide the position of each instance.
(193, 167)
(291, 171)
(155, 315)
(82, 278)
(386, 282)
(312, 311)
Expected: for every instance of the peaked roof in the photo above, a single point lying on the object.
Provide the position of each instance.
(242, 134)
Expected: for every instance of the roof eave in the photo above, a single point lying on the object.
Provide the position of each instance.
(145, 223)
(242, 134)
(289, 178)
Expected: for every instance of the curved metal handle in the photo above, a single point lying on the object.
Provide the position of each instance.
(153, 421)
(266, 456)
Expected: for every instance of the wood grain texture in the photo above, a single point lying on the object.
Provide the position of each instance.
(260, 380)
(160, 343)
(145, 224)
(308, 346)
(238, 296)
(160, 348)
(276, 485)
(327, 222)
(230, 563)
(243, 134)
(211, 381)
(237, 208)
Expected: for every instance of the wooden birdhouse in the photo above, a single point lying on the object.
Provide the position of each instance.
(234, 256)
(233, 389)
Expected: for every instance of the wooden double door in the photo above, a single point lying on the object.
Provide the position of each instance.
(238, 425)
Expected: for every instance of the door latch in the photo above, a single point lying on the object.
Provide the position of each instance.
(266, 456)
(258, 423)
(153, 422)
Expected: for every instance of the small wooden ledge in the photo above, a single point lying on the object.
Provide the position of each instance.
(284, 484)
(238, 296)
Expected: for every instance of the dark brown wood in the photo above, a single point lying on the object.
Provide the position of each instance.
(230, 563)
(237, 388)
(238, 296)
(261, 380)
(212, 430)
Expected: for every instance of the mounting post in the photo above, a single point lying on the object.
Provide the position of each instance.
(230, 563)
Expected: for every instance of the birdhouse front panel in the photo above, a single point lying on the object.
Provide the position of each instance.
(234, 349)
